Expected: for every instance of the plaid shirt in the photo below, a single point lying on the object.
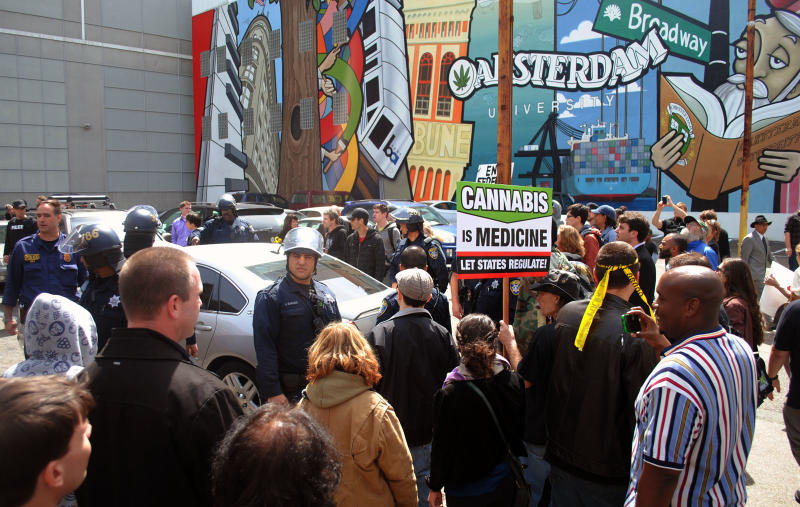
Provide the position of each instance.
(793, 228)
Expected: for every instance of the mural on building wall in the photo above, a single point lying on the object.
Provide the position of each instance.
(615, 101)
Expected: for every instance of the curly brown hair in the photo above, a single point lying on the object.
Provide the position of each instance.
(341, 346)
(476, 334)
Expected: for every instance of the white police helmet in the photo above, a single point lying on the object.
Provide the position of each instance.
(303, 240)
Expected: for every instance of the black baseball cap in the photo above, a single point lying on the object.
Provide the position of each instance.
(360, 213)
(562, 283)
(19, 203)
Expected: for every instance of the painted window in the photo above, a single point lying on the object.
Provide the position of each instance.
(423, 101)
(444, 100)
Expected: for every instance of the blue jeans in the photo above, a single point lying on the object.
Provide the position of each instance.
(537, 472)
(572, 491)
(421, 456)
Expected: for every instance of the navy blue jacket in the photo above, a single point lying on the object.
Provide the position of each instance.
(16, 230)
(101, 299)
(487, 297)
(283, 329)
(218, 230)
(437, 264)
(37, 266)
(437, 306)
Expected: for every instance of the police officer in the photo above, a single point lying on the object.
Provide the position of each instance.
(101, 253)
(410, 223)
(287, 317)
(437, 305)
(483, 295)
(37, 266)
(226, 228)
(17, 228)
(141, 225)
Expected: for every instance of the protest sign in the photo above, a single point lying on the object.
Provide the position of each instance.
(503, 231)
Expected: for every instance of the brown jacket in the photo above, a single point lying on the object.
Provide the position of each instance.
(376, 465)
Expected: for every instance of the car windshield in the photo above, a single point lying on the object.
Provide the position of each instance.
(345, 281)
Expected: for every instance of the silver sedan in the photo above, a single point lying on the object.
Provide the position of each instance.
(232, 274)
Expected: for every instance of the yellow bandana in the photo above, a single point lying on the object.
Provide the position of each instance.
(598, 297)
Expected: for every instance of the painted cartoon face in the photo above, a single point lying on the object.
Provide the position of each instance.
(777, 56)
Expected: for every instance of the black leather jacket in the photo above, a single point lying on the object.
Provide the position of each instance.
(590, 401)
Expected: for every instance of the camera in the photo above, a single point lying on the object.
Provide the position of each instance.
(663, 199)
(631, 323)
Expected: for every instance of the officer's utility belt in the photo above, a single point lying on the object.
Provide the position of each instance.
(292, 382)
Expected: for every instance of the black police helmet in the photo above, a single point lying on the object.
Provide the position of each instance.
(226, 201)
(141, 220)
(99, 244)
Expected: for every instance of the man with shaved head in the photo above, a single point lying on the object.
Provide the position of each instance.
(695, 413)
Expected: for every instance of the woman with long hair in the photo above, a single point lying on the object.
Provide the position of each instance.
(741, 301)
(290, 221)
(570, 245)
(376, 463)
(712, 238)
(468, 454)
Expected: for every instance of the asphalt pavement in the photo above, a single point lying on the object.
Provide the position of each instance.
(773, 474)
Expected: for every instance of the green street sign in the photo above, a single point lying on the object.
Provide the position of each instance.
(631, 19)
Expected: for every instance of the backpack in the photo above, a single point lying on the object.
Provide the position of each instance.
(390, 228)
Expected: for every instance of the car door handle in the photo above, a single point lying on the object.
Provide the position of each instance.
(202, 327)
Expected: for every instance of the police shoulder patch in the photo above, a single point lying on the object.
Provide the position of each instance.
(515, 287)
(433, 252)
(384, 307)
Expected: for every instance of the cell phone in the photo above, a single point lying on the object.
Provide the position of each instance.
(663, 199)
(631, 323)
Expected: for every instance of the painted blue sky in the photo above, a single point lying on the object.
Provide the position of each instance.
(273, 14)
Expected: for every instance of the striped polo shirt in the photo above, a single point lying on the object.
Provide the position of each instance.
(696, 413)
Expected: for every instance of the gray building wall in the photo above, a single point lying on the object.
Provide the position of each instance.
(99, 107)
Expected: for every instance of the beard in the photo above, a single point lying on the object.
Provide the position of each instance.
(691, 236)
(664, 254)
(732, 96)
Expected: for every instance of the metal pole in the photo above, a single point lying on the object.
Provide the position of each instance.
(748, 119)
(504, 105)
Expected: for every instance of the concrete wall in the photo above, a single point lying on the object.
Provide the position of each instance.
(103, 106)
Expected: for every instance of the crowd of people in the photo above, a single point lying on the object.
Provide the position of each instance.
(607, 386)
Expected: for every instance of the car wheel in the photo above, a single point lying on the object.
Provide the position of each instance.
(240, 378)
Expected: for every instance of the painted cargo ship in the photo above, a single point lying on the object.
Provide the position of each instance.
(604, 167)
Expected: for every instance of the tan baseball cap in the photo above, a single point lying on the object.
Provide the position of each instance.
(415, 283)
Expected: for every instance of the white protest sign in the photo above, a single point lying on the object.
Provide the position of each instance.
(503, 231)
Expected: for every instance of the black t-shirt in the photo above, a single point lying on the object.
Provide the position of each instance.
(535, 367)
(787, 338)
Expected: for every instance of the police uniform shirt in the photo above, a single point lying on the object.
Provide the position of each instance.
(485, 296)
(437, 264)
(284, 328)
(37, 266)
(101, 299)
(16, 230)
(218, 230)
(437, 306)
